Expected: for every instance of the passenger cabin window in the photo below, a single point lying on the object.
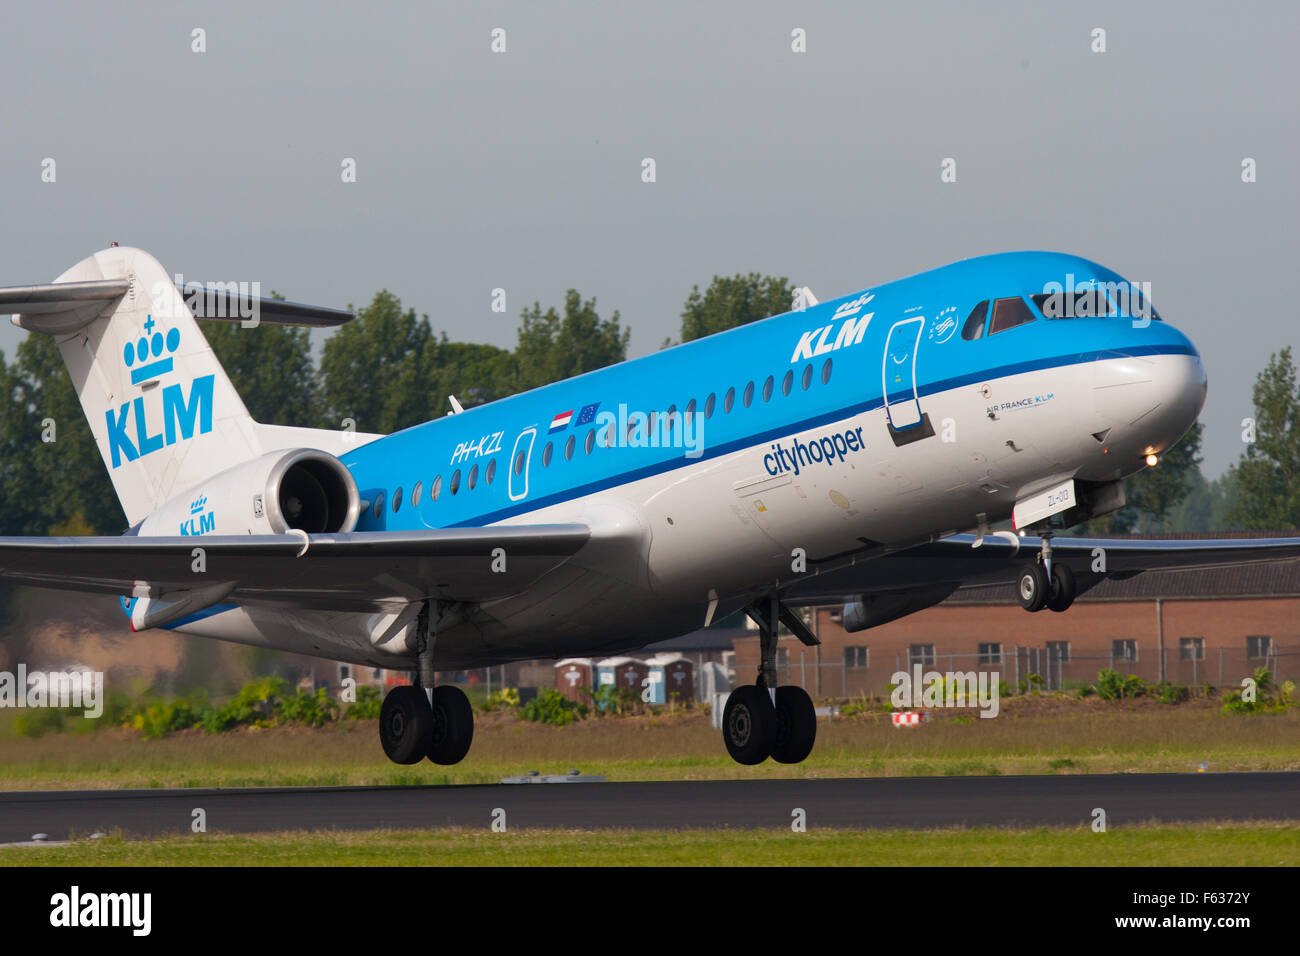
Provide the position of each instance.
(974, 327)
(1008, 313)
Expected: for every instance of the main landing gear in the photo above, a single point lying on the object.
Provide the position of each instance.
(763, 720)
(420, 720)
(1046, 584)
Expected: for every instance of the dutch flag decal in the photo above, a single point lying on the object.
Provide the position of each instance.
(560, 422)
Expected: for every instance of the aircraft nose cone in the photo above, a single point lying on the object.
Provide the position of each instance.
(1154, 397)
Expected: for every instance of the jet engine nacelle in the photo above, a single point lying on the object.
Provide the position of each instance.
(872, 610)
(296, 489)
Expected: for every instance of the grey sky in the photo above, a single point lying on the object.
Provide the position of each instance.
(522, 170)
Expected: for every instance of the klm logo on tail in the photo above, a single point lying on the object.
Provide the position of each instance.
(149, 358)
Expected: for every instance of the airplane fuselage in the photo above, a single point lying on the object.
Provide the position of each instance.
(742, 461)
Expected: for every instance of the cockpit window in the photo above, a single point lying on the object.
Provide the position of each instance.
(1089, 303)
(974, 325)
(1008, 313)
(1139, 306)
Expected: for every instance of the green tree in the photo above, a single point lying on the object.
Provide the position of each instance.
(54, 480)
(732, 301)
(374, 370)
(1268, 473)
(552, 347)
(476, 374)
(271, 368)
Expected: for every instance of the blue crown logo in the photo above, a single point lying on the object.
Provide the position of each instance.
(198, 504)
(148, 351)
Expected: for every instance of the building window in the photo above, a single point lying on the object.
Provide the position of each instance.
(990, 654)
(856, 657)
(1058, 651)
(1124, 650)
(922, 654)
(1191, 648)
(1258, 647)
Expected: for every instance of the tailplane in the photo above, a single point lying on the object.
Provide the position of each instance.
(163, 412)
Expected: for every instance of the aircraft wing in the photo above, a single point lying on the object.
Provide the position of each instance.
(999, 558)
(360, 571)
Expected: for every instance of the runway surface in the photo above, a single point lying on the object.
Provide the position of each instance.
(857, 803)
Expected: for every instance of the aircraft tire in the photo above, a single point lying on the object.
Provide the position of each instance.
(1033, 587)
(796, 725)
(749, 724)
(1063, 588)
(452, 728)
(405, 725)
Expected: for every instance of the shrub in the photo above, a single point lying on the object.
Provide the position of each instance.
(39, 721)
(1111, 685)
(1269, 698)
(552, 707)
(502, 699)
(366, 706)
(307, 708)
(1169, 693)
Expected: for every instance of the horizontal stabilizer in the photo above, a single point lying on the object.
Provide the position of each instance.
(58, 308)
(224, 302)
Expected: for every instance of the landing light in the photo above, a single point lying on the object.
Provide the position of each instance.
(1152, 461)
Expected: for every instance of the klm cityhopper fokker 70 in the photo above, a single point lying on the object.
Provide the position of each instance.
(855, 450)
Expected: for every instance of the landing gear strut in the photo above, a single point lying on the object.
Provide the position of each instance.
(763, 720)
(420, 720)
(1045, 583)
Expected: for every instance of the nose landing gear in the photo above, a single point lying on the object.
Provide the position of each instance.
(1045, 583)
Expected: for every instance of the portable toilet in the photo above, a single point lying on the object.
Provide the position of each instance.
(606, 672)
(679, 680)
(625, 673)
(655, 674)
(672, 678)
(573, 678)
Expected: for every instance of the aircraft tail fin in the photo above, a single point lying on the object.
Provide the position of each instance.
(163, 412)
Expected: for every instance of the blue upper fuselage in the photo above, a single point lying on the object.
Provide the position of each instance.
(835, 357)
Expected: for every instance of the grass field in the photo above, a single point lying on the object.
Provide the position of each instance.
(1227, 844)
(1048, 734)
